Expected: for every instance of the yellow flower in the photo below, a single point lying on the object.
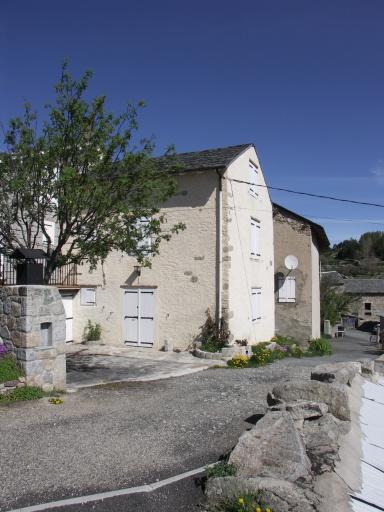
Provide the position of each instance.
(258, 509)
(268, 509)
(241, 501)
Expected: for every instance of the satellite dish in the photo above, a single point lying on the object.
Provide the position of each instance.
(291, 262)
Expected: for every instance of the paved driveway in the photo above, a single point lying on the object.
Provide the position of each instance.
(134, 433)
(95, 365)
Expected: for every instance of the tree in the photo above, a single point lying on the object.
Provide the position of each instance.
(348, 250)
(333, 303)
(84, 171)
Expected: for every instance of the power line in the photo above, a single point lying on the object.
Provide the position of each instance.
(307, 193)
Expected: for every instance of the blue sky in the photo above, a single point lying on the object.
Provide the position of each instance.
(302, 79)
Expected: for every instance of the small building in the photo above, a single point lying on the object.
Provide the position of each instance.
(297, 288)
(370, 298)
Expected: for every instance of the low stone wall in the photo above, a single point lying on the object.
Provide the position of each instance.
(225, 353)
(32, 326)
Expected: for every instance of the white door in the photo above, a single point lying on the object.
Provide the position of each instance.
(67, 299)
(139, 312)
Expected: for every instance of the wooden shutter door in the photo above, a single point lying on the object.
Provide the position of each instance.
(131, 316)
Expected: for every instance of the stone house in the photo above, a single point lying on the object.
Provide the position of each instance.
(370, 298)
(297, 286)
(223, 261)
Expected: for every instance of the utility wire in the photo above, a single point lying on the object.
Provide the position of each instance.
(306, 193)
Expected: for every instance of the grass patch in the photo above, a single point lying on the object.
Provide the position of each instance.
(220, 469)
(28, 393)
(9, 369)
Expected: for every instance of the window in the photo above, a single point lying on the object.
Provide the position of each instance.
(50, 229)
(368, 308)
(287, 289)
(143, 240)
(88, 296)
(255, 238)
(256, 304)
(253, 179)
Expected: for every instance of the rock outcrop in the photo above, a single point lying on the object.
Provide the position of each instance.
(272, 448)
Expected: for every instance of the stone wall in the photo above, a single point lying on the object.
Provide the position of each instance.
(32, 326)
(294, 237)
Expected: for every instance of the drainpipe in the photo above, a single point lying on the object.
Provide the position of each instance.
(220, 246)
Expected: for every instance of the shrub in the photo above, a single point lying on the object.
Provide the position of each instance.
(245, 503)
(222, 468)
(261, 355)
(92, 332)
(296, 351)
(320, 346)
(238, 361)
(214, 335)
(284, 340)
(9, 368)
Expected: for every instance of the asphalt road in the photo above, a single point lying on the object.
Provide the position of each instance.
(127, 435)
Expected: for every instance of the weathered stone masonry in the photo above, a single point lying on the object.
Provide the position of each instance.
(32, 326)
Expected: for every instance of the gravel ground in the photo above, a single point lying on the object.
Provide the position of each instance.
(129, 434)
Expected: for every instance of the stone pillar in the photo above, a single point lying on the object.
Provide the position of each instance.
(32, 326)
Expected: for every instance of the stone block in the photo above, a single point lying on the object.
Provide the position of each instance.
(304, 410)
(15, 309)
(272, 448)
(25, 354)
(334, 395)
(46, 353)
(343, 373)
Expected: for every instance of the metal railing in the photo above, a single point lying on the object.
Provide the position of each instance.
(63, 276)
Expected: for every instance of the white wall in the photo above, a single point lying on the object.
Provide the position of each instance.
(316, 328)
(242, 271)
(184, 273)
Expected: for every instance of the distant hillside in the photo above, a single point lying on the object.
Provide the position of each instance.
(357, 258)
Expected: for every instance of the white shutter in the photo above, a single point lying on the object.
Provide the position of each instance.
(145, 243)
(253, 179)
(255, 238)
(50, 229)
(256, 303)
(88, 296)
(287, 289)
(147, 313)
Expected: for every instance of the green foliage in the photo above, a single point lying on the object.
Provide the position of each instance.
(238, 361)
(25, 393)
(320, 346)
(296, 351)
(262, 356)
(348, 250)
(9, 368)
(220, 469)
(245, 503)
(284, 340)
(92, 332)
(357, 258)
(334, 303)
(213, 336)
(86, 169)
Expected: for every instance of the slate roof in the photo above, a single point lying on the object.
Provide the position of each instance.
(364, 286)
(333, 277)
(217, 158)
(317, 230)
